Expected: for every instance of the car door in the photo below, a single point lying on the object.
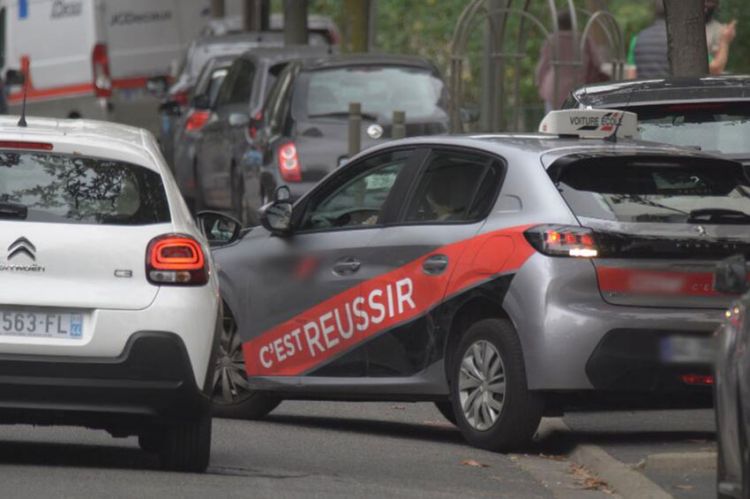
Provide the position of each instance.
(432, 247)
(305, 307)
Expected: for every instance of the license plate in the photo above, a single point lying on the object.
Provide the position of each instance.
(64, 325)
(688, 349)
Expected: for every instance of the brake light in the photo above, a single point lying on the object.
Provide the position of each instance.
(18, 144)
(101, 74)
(252, 130)
(563, 240)
(176, 259)
(697, 379)
(182, 97)
(196, 120)
(289, 165)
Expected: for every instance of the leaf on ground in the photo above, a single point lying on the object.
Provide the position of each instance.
(685, 487)
(398, 408)
(588, 481)
(474, 463)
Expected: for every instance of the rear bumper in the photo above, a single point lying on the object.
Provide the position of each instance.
(151, 381)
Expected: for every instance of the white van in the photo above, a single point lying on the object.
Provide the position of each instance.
(92, 58)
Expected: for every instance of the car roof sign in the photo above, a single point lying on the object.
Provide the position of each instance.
(590, 123)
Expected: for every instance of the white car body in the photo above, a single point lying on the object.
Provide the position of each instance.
(98, 271)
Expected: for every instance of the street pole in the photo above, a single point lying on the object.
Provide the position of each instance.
(295, 22)
(686, 37)
(355, 128)
(257, 15)
(217, 9)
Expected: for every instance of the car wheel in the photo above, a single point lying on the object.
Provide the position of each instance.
(151, 440)
(186, 445)
(494, 409)
(446, 409)
(232, 396)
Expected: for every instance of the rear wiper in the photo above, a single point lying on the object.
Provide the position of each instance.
(343, 114)
(13, 211)
(718, 215)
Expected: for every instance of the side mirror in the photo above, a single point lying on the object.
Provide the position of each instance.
(239, 120)
(219, 229)
(201, 102)
(277, 217)
(731, 275)
(157, 86)
(14, 77)
(282, 193)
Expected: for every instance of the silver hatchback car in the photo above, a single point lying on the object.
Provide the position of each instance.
(503, 277)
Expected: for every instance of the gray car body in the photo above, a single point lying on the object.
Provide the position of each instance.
(555, 304)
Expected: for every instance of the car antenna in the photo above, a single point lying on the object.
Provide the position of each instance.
(22, 121)
(613, 136)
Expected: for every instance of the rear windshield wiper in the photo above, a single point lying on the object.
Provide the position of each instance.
(718, 215)
(13, 211)
(343, 114)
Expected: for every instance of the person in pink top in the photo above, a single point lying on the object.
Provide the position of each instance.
(571, 72)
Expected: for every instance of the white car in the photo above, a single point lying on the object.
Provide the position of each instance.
(109, 307)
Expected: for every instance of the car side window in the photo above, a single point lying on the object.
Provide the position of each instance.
(455, 187)
(276, 100)
(237, 85)
(356, 200)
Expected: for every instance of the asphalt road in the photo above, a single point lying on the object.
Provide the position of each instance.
(315, 449)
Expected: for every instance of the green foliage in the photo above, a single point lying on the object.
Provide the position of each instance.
(739, 55)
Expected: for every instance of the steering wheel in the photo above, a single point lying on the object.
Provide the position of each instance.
(362, 216)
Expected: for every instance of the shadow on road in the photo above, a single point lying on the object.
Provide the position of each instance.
(74, 455)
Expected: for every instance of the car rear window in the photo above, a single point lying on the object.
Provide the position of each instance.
(56, 188)
(380, 89)
(656, 189)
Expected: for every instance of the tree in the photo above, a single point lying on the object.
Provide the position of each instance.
(686, 37)
(295, 22)
(357, 14)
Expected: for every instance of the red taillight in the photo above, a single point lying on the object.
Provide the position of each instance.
(563, 240)
(289, 163)
(252, 130)
(196, 120)
(18, 144)
(102, 76)
(697, 379)
(182, 97)
(176, 259)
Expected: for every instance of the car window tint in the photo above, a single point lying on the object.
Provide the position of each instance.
(277, 105)
(455, 187)
(243, 83)
(55, 188)
(358, 200)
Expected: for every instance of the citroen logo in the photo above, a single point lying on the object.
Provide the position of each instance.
(22, 245)
(700, 230)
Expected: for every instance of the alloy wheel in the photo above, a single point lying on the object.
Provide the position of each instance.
(481, 385)
(230, 382)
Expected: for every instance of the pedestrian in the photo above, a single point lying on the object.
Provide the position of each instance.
(570, 71)
(719, 38)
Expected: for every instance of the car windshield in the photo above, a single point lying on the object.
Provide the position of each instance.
(668, 190)
(380, 89)
(55, 188)
(717, 127)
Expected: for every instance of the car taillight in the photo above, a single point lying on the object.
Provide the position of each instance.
(196, 119)
(20, 144)
(101, 74)
(182, 97)
(176, 259)
(697, 379)
(563, 240)
(252, 129)
(289, 163)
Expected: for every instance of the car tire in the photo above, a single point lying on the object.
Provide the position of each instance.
(488, 378)
(151, 440)
(231, 396)
(446, 409)
(186, 445)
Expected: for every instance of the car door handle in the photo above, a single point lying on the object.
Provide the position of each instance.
(346, 266)
(435, 264)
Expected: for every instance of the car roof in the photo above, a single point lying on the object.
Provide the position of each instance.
(346, 60)
(86, 137)
(272, 55)
(545, 146)
(665, 90)
(241, 38)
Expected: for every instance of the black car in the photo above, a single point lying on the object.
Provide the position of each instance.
(711, 113)
(219, 171)
(189, 126)
(303, 133)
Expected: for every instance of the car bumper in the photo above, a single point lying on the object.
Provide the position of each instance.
(151, 380)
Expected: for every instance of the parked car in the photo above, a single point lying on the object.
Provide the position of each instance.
(316, 24)
(500, 276)
(303, 133)
(191, 123)
(109, 309)
(711, 113)
(219, 172)
(732, 388)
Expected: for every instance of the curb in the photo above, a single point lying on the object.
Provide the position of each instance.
(670, 461)
(623, 479)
